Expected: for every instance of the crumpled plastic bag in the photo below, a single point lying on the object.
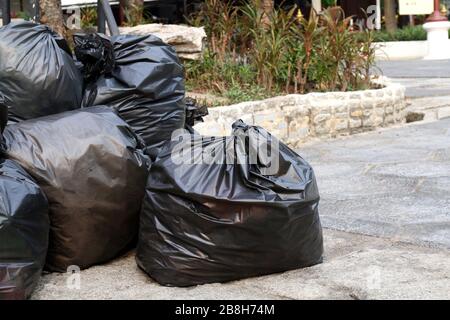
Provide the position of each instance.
(195, 112)
(224, 208)
(24, 229)
(91, 167)
(38, 74)
(97, 53)
(3, 115)
(144, 83)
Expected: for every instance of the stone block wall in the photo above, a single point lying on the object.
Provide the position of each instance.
(295, 118)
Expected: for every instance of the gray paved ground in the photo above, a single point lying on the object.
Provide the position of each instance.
(393, 183)
(386, 211)
(415, 68)
(421, 78)
(427, 85)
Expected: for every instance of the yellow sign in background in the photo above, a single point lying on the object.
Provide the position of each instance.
(408, 7)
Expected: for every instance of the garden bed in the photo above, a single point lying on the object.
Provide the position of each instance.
(252, 55)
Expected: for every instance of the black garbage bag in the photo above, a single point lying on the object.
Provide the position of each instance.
(96, 53)
(144, 83)
(3, 115)
(90, 166)
(194, 114)
(195, 111)
(38, 76)
(24, 228)
(220, 209)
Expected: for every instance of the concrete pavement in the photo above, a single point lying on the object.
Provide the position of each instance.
(385, 206)
(390, 183)
(355, 267)
(427, 85)
(415, 69)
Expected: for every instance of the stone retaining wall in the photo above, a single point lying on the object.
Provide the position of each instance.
(296, 118)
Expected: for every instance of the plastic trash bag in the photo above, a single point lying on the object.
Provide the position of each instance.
(90, 166)
(97, 53)
(221, 208)
(24, 228)
(38, 76)
(144, 83)
(3, 115)
(194, 112)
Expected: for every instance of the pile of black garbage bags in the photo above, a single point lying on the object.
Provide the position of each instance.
(98, 156)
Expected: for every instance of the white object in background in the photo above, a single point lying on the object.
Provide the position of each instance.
(401, 50)
(317, 5)
(438, 44)
(378, 16)
(407, 7)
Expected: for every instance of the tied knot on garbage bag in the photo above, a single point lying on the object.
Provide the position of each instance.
(95, 51)
(195, 111)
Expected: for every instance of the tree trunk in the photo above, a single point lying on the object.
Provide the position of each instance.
(390, 15)
(51, 15)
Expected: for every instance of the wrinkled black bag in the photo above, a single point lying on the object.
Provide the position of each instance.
(203, 223)
(38, 76)
(90, 166)
(142, 79)
(194, 112)
(24, 228)
(3, 116)
(96, 53)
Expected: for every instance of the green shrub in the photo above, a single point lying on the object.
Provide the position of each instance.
(328, 3)
(88, 17)
(246, 92)
(251, 56)
(23, 15)
(416, 33)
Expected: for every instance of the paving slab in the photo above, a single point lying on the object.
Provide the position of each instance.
(355, 267)
(390, 183)
(427, 85)
(436, 88)
(414, 69)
